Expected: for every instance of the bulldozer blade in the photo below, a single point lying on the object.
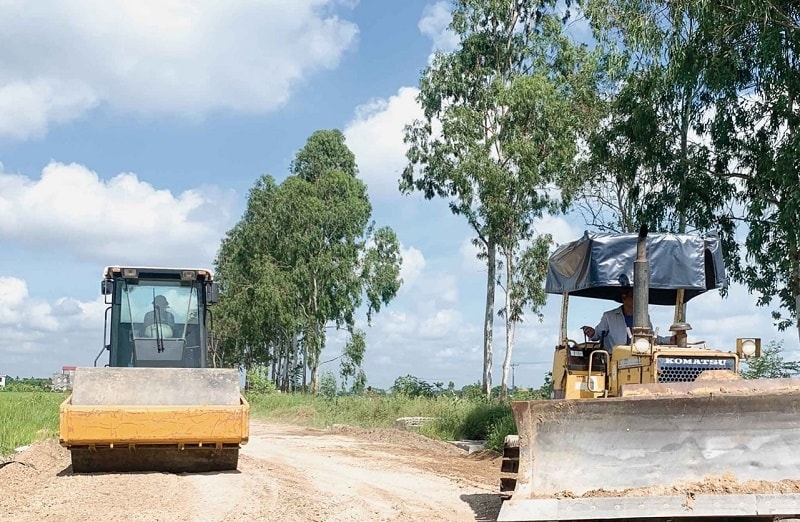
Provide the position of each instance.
(711, 386)
(577, 448)
(712, 508)
(153, 458)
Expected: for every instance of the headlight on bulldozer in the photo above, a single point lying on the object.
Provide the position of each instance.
(641, 345)
(747, 348)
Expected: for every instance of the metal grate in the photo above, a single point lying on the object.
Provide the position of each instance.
(688, 369)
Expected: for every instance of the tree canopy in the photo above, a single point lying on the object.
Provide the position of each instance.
(701, 133)
(302, 259)
(502, 114)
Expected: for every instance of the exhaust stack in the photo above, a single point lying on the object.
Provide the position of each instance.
(641, 287)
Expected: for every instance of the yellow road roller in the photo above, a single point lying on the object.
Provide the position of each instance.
(156, 405)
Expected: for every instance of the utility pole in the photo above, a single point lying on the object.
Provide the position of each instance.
(514, 366)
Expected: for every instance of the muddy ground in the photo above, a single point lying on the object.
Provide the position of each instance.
(285, 473)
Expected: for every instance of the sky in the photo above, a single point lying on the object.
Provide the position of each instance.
(131, 132)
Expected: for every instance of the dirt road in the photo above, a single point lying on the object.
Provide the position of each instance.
(285, 473)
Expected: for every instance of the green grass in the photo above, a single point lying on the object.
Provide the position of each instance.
(455, 418)
(26, 417)
(29, 416)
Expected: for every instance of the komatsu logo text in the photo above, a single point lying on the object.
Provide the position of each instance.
(695, 362)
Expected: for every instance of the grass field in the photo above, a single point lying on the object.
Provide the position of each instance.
(454, 418)
(26, 417)
(29, 416)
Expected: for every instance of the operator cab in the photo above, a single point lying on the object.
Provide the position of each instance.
(157, 316)
(659, 269)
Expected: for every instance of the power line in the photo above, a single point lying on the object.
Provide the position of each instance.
(522, 363)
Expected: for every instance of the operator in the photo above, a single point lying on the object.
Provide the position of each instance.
(165, 317)
(616, 323)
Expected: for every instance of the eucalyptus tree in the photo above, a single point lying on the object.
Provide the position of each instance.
(305, 255)
(751, 63)
(651, 161)
(254, 318)
(501, 117)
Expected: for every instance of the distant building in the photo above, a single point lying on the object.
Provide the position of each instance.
(63, 381)
(2, 381)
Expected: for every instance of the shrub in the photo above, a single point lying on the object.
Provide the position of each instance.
(258, 381)
(410, 386)
(328, 385)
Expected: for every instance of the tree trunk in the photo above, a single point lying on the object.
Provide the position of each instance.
(795, 288)
(491, 276)
(509, 323)
(295, 361)
(316, 348)
(315, 372)
(305, 365)
(287, 364)
(274, 365)
(680, 305)
(279, 363)
(797, 316)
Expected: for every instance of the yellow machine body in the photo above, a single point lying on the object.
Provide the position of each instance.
(650, 431)
(156, 405)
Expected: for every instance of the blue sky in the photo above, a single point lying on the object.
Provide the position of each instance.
(131, 133)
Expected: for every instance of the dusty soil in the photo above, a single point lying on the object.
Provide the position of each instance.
(285, 473)
(726, 484)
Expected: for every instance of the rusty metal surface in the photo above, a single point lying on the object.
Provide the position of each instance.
(581, 445)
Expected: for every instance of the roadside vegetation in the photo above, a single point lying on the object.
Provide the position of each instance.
(27, 413)
(453, 418)
(29, 416)
(464, 414)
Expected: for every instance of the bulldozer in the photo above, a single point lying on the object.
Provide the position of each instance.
(156, 405)
(656, 427)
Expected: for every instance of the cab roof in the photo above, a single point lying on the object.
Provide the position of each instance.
(600, 265)
(150, 271)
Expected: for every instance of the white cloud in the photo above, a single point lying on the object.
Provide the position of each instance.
(13, 293)
(441, 324)
(578, 26)
(28, 107)
(561, 229)
(375, 135)
(38, 336)
(398, 323)
(119, 220)
(719, 321)
(443, 288)
(434, 24)
(62, 58)
(413, 265)
(469, 257)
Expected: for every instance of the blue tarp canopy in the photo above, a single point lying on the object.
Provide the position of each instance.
(599, 265)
